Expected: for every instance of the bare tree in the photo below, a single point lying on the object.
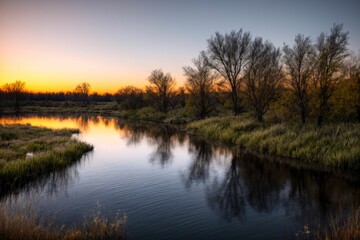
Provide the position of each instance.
(299, 62)
(162, 88)
(331, 50)
(228, 55)
(263, 76)
(200, 83)
(82, 90)
(130, 97)
(16, 89)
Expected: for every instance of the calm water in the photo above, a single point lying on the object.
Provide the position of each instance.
(175, 186)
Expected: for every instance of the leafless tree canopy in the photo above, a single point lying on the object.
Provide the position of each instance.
(299, 62)
(130, 97)
(16, 89)
(83, 90)
(331, 51)
(228, 55)
(162, 87)
(200, 83)
(262, 76)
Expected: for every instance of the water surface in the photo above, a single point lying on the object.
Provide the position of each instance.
(175, 186)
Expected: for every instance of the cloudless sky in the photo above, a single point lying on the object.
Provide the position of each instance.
(53, 45)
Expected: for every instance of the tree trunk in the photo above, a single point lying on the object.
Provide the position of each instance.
(321, 113)
(260, 117)
(235, 102)
(303, 115)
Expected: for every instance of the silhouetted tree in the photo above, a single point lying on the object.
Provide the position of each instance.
(228, 55)
(16, 89)
(200, 83)
(82, 90)
(161, 88)
(130, 97)
(263, 76)
(331, 50)
(299, 62)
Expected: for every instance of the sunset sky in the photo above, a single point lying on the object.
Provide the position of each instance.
(54, 45)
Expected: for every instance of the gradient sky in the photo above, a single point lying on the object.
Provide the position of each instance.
(53, 45)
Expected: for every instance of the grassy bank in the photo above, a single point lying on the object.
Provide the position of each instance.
(333, 145)
(25, 225)
(27, 153)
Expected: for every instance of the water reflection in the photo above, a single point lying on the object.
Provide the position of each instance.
(162, 137)
(264, 186)
(199, 169)
(227, 196)
(52, 183)
(232, 184)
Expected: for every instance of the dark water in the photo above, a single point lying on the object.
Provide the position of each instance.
(175, 186)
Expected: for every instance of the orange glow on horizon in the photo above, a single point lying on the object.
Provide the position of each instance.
(59, 85)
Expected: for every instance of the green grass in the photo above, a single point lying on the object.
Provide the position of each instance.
(333, 145)
(24, 224)
(27, 153)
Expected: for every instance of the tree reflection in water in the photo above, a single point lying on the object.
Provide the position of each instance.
(202, 155)
(253, 182)
(228, 196)
(162, 137)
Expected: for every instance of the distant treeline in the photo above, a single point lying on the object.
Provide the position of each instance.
(57, 96)
(308, 80)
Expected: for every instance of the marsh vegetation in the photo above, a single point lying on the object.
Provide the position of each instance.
(27, 153)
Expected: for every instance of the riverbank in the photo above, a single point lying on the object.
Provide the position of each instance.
(334, 146)
(28, 153)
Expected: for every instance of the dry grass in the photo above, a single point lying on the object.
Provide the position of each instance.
(342, 228)
(25, 225)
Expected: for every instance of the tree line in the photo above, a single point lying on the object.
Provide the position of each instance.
(308, 79)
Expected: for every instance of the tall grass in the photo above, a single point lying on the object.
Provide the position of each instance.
(347, 228)
(340, 227)
(27, 153)
(25, 224)
(334, 145)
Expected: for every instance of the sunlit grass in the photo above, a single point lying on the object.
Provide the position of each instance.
(334, 145)
(27, 152)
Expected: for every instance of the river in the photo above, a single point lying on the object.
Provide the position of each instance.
(176, 186)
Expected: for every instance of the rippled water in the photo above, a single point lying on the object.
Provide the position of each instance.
(175, 186)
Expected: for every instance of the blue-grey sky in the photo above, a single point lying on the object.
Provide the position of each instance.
(115, 43)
